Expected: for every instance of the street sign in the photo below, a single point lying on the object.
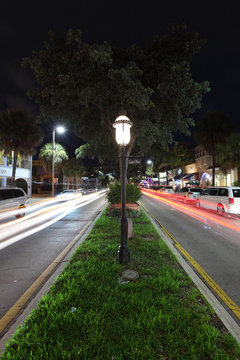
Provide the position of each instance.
(134, 161)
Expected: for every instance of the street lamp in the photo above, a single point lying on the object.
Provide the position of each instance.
(60, 130)
(122, 125)
(150, 162)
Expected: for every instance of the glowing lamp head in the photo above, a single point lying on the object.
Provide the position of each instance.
(122, 125)
(60, 129)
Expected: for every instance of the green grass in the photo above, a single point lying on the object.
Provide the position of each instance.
(91, 314)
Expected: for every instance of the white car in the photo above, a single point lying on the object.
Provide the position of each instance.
(68, 194)
(189, 194)
(166, 190)
(13, 199)
(224, 199)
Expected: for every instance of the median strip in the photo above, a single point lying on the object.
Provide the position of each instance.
(94, 312)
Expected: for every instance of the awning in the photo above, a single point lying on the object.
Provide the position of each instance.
(187, 176)
(177, 176)
(210, 167)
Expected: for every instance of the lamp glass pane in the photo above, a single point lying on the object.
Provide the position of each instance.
(122, 133)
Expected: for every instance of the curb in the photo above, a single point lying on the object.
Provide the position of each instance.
(219, 309)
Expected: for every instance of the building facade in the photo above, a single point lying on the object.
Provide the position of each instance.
(23, 178)
(198, 173)
(204, 167)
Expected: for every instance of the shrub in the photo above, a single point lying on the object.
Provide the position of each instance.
(133, 193)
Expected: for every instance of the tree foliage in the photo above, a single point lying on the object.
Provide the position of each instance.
(133, 193)
(60, 156)
(228, 154)
(210, 131)
(90, 84)
(179, 154)
(175, 156)
(19, 132)
(74, 167)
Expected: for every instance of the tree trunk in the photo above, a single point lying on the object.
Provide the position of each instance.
(238, 172)
(213, 169)
(14, 166)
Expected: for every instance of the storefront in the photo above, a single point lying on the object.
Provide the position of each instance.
(23, 177)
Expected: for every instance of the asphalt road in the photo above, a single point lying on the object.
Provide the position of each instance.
(22, 262)
(214, 246)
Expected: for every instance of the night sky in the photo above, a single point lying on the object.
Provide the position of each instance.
(24, 25)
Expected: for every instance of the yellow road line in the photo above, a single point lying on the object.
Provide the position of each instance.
(14, 310)
(214, 286)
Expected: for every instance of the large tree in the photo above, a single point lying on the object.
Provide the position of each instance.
(210, 131)
(74, 167)
(20, 133)
(90, 84)
(176, 155)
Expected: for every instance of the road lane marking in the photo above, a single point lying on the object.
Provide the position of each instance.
(212, 284)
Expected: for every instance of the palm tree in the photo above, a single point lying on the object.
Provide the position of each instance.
(228, 154)
(210, 131)
(74, 167)
(20, 133)
(176, 156)
(60, 156)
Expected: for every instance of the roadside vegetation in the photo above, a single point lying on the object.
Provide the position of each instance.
(133, 193)
(91, 313)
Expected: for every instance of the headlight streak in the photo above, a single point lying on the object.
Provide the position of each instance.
(196, 213)
(34, 219)
(11, 212)
(42, 203)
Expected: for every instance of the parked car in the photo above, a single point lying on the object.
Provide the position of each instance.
(224, 199)
(68, 194)
(166, 190)
(82, 191)
(187, 194)
(92, 189)
(13, 198)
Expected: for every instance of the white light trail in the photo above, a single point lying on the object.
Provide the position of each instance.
(39, 220)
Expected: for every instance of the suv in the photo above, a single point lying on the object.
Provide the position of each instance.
(13, 198)
(223, 199)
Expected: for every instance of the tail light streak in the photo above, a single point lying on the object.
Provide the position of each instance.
(195, 213)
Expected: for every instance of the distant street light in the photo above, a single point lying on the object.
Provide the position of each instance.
(122, 125)
(150, 162)
(60, 130)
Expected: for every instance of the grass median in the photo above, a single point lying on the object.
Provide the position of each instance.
(90, 313)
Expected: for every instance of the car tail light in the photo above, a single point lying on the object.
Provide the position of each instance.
(190, 193)
(231, 201)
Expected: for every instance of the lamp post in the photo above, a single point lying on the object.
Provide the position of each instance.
(122, 125)
(150, 162)
(59, 129)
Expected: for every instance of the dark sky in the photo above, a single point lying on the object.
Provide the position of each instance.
(24, 25)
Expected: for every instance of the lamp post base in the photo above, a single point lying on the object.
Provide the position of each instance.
(123, 255)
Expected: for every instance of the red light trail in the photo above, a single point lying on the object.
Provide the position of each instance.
(198, 214)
